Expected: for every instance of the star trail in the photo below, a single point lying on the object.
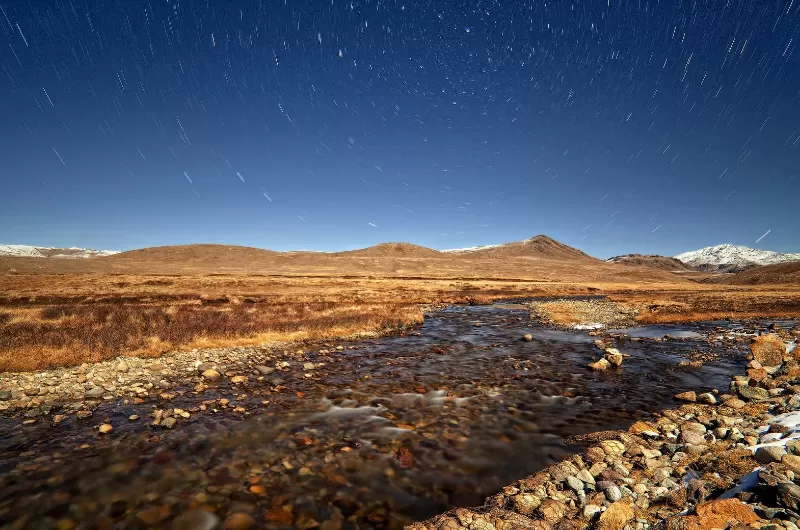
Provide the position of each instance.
(639, 126)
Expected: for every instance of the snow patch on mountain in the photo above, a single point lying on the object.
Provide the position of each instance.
(733, 258)
(28, 251)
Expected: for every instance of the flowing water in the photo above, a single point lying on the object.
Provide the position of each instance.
(397, 429)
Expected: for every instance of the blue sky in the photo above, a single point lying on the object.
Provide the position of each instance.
(614, 128)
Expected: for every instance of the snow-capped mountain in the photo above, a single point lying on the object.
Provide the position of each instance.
(29, 251)
(733, 258)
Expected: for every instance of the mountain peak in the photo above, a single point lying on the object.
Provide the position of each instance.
(733, 258)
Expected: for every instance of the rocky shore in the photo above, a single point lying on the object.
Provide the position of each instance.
(727, 460)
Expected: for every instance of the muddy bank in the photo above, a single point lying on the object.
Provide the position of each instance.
(374, 434)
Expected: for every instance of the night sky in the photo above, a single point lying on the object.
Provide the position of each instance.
(616, 127)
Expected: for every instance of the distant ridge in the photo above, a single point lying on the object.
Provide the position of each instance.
(733, 258)
(778, 273)
(386, 250)
(536, 247)
(29, 251)
(663, 263)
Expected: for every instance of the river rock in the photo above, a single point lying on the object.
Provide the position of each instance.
(707, 398)
(239, 521)
(552, 510)
(575, 484)
(616, 517)
(600, 365)
(689, 396)
(195, 520)
(789, 495)
(612, 447)
(264, 370)
(105, 428)
(768, 350)
(611, 490)
(791, 461)
(168, 423)
(769, 453)
(211, 374)
(753, 393)
(600, 344)
(527, 337)
(526, 503)
(95, 392)
(123, 367)
(614, 357)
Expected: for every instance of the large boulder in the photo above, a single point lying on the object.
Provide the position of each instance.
(768, 350)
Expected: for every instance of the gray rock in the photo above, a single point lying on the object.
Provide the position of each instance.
(611, 490)
(575, 484)
(5, 395)
(591, 510)
(769, 453)
(264, 370)
(95, 392)
(753, 393)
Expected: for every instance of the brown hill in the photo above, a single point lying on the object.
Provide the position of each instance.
(392, 250)
(652, 261)
(538, 259)
(541, 247)
(779, 273)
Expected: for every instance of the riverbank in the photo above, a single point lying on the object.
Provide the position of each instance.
(722, 459)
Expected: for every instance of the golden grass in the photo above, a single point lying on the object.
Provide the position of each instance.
(68, 319)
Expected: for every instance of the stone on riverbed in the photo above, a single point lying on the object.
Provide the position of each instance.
(753, 393)
(768, 350)
(614, 357)
(689, 396)
(600, 365)
(211, 374)
(527, 337)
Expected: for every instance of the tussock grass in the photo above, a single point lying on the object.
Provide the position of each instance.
(71, 334)
(49, 320)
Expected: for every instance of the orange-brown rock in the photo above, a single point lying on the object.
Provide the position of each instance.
(719, 514)
(615, 517)
(768, 350)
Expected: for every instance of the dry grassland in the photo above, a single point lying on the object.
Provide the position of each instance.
(62, 320)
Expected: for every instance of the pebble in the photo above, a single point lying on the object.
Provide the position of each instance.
(195, 520)
(168, 423)
(211, 374)
(239, 521)
(105, 428)
(527, 337)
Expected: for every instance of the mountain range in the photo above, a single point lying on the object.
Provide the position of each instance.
(539, 257)
(53, 252)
